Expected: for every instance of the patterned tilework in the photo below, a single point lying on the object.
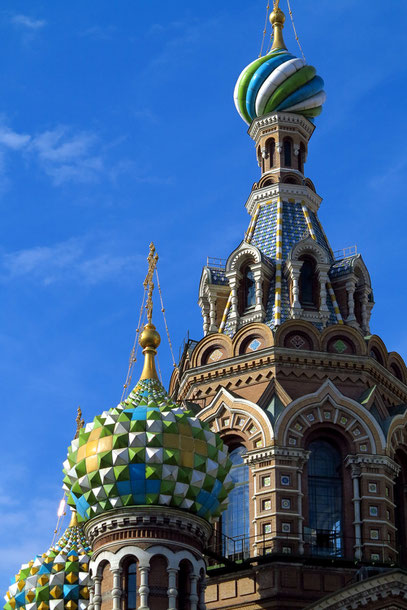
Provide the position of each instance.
(320, 234)
(55, 580)
(343, 266)
(218, 276)
(225, 314)
(147, 451)
(264, 236)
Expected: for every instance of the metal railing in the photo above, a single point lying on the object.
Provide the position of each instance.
(317, 544)
(345, 252)
(214, 262)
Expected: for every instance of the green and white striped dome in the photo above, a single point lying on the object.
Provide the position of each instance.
(57, 579)
(279, 82)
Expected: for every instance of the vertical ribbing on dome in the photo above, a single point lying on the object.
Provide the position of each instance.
(277, 19)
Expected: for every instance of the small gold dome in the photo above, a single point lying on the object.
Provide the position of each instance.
(149, 337)
(277, 16)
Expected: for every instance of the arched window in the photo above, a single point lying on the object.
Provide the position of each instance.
(249, 289)
(308, 284)
(235, 519)
(287, 152)
(301, 158)
(325, 497)
(271, 145)
(131, 586)
(184, 585)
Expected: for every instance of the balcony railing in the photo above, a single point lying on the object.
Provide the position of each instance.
(318, 544)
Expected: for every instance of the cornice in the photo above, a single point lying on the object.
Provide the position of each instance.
(277, 356)
(256, 456)
(373, 460)
(299, 192)
(282, 119)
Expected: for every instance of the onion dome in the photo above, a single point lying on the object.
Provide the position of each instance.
(147, 451)
(278, 82)
(57, 579)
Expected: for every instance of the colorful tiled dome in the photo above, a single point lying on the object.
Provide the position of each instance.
(57, 579)
(147, 451)
(278, 81)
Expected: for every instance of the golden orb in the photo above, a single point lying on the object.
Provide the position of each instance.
(149, 337)
(277, 16)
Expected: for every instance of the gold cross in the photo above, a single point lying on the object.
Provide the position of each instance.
(276, 4)
(152, 260)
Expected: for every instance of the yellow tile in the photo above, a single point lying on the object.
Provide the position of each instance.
(170, 441)
(187, 459)
(57, 567)
(84, 567)
(95, 434)
(30, 596)
(187, 443)
(71, 605)
(34, 570)
(71, 577)
(43, 606)
(184, 429)
(201, 447)
(91, 448)
(43, 580)
(21, 585)
(91, 463)
(12, 602)
(81, 453)
(85, 593)
(56, 592)
(105, 444)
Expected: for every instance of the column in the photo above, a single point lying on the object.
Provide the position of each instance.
(301, 517)
(97, 598)
(204, 305)
(117, 589)
(294, 269)
(234, 281)
(212, 314)
(350, 288)
(172, 591)
(144, 589)
(355, 474)
(257, 275)
(91, 593)
(193, 596)
(202, 588)
(323, 279)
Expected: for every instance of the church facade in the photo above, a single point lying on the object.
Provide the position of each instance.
(273, 474)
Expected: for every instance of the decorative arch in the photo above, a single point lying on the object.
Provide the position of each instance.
(256, 331)
(309, 247)
(143, 557)
(377, 350)
(265, 181)
(291, 179)
(303, 328)
(395, 360)
(238, 421)
(245, 253)
(209, 345)
(310, 185)
(340, 331)
(397, 434)
(329, 407)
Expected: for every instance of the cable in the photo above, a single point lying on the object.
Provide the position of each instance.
(265, 27)
(133, 353)
(165, 319)
(295, 31)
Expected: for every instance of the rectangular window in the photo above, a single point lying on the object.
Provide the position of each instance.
(266, 481)
(266, 528)
(266, 505)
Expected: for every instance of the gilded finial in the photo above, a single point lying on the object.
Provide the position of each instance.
(277, 19)
(74, 519)
(80, 422)
(149, 338)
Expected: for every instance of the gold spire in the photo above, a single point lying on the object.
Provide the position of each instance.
(149, 338)
(74, 519)
(277, 19)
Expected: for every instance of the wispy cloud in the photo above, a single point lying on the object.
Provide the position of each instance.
(79, 259)
(29, 23)
(62, 153)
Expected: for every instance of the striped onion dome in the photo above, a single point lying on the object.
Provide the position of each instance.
(147, 451)
(279, 82)
(57, 579)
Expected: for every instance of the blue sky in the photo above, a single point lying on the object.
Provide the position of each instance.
(117, 127)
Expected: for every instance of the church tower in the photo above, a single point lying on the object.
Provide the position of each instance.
(310, 403)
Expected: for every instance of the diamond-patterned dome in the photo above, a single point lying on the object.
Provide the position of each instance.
(147, 451)
(57, 579)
